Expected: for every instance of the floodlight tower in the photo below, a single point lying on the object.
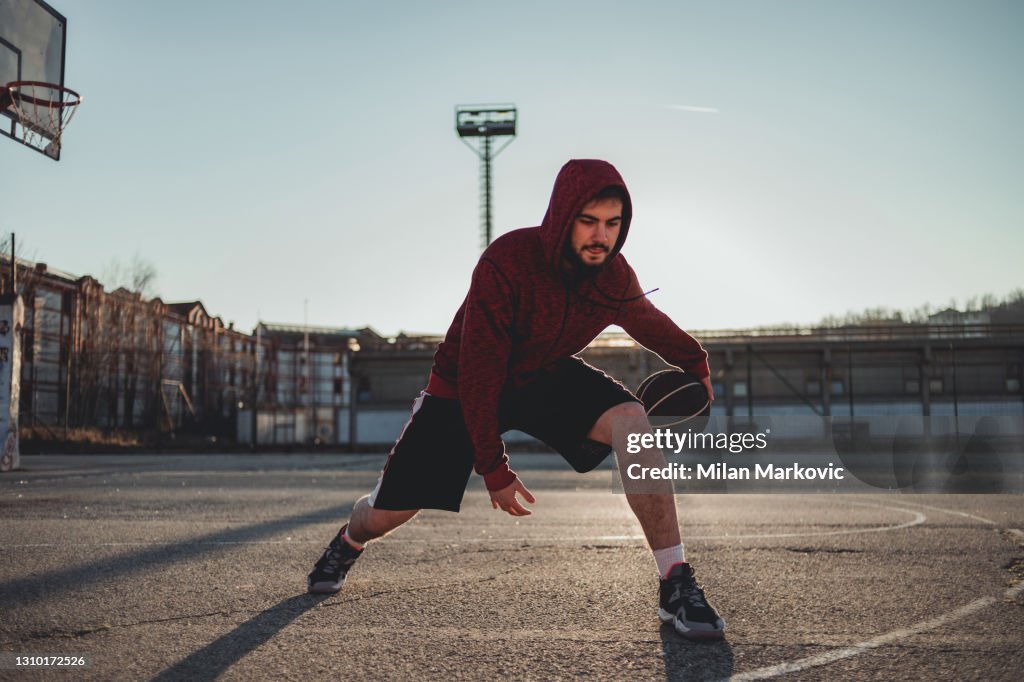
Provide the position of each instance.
(485, 122)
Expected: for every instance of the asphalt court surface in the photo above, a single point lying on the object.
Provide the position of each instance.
(193, 567)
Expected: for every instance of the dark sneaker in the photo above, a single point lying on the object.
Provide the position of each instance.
(683, 603)
(329, 573)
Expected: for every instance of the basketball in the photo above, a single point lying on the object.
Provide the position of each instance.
(674, 393)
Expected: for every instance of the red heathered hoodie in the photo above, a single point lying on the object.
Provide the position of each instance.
(525, 309)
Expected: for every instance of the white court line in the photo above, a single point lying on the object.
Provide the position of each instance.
(982, 519)
(762, 673)
(895, 635)
(875, 642)
(918, 519)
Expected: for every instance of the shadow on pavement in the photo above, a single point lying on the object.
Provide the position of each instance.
(212, 660)
(686, 660)
(22, 591)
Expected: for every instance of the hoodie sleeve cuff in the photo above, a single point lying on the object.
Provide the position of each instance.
(502, 477)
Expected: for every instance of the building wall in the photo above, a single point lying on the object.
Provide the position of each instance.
(112, 360)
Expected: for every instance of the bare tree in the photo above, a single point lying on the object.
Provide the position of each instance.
(138, 276)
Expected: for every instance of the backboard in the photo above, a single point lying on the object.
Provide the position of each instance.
(32, 41)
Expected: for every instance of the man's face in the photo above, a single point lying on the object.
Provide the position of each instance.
(595, 231)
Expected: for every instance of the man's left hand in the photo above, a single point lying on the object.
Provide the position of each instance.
(505, 499)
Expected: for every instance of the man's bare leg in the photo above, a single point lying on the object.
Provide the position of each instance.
(365, 524)
(681, 600)
(368, 523)
(655, 508)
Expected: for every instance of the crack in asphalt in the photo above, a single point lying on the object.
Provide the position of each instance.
(90, 630)
(84, 631)
(480, 550)
(524, 548)
(62, 634)
(456, 583)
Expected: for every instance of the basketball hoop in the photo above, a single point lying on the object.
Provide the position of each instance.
(42, 110)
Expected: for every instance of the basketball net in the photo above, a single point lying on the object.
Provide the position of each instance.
(43, 111)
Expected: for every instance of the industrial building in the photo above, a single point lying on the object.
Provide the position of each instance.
(113, 361)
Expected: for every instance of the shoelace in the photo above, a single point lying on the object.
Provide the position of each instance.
(334, 560)
(694, 595)
(688, 590)
(333, 557)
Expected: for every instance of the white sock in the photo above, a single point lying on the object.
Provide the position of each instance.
(352, 543)
(668, 557)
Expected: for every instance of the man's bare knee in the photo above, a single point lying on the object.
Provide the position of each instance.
(628, 415)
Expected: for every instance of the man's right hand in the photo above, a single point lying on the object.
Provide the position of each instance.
(505, 499)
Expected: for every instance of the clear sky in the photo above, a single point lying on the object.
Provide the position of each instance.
(787, 160)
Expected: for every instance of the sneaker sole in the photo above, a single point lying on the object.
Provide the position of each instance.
(325, 588)
(666, 618)
(698, 634)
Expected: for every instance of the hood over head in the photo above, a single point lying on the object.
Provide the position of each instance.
(579, 181)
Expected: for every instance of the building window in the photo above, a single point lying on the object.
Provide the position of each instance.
(1013, 385)
(912, 386)
(739, 389)
(935, 385)
(812, 387)
(838, 388)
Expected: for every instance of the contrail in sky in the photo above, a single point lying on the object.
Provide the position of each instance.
(699, 110)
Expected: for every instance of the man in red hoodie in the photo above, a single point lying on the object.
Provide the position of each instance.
(538, 296)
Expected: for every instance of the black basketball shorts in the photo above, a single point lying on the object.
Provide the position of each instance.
(431, 462)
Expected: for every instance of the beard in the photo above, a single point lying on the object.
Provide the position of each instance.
(577, 266)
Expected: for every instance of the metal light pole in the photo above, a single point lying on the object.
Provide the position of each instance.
(485, 122)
